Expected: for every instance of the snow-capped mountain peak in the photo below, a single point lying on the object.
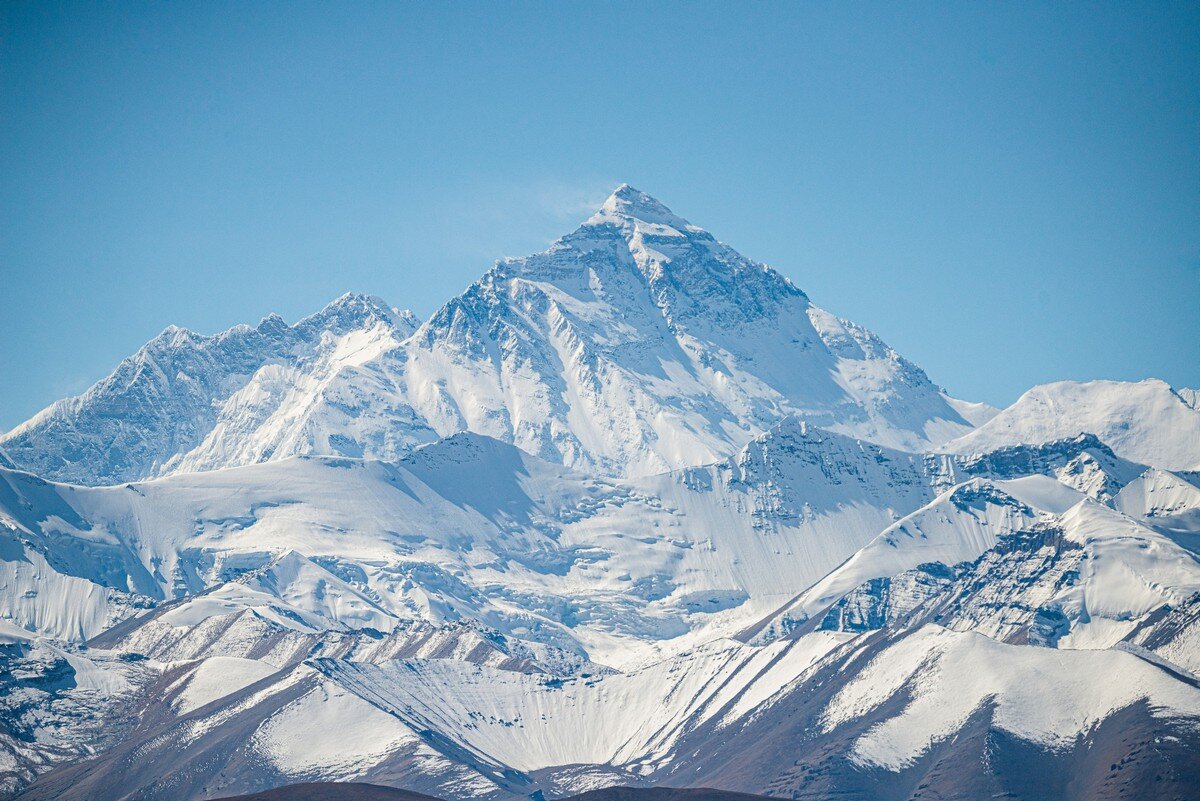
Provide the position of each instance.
(1147, 421)
(627, 206)
(164, 400)
(629, 510)
(636, 344)
(354, 310)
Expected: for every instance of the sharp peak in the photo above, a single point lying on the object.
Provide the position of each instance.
(628, 194)
(358, 300)
(628, 203)
(461, 440)
(352, 308)
(170, 337)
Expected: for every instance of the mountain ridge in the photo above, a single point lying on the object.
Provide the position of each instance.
(630, 511)
(630, 346)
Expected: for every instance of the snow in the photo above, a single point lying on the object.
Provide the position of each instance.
(957, 526)
(784, 671)
(14, 635)
(1128, 571)
(634, 345)
(1041, 695)
(1181, 652)
(1146, 421)
(34, 596)
(528, 722)
(1041, 492)
(330, 730)
(1166, 498)
(218, 677)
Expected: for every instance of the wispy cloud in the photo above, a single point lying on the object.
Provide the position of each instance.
(522, 217)
(568, 201)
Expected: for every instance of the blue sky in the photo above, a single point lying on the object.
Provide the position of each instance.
(1008, 193)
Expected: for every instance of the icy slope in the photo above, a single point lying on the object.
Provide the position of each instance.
(439, 610)
(1036, 694)
(167, 398)
(468, 529)
(1146, 422)
(634, 345)
(958, 526)
(527, 722)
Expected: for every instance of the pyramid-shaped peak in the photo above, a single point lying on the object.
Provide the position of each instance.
(356, 302)
(354, 310)
(627, 203)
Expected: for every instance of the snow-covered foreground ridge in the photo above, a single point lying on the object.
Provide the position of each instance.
(629, 511)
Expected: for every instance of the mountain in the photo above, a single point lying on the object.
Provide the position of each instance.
(163, 401)
(467, 528)
(476, 622)
(1146, 422)
(1082, 462)
(626, 516)
(634, 345)
(346, 791)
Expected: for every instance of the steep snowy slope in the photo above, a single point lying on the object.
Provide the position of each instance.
(846, 708)
(1034, 693)
(466, 529)
(1166, 499)
(957, 527)
(1146, 422)
(167, 398)
(635, 345)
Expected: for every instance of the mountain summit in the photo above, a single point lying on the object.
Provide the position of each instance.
(627, 203)
(636, 344)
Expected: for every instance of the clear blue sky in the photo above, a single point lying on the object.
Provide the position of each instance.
(1007, 193)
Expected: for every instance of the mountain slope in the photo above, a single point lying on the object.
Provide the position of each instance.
(468, 528)
(1146, 422)
(167, 398)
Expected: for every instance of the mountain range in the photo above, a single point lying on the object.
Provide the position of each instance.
(632, 511)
